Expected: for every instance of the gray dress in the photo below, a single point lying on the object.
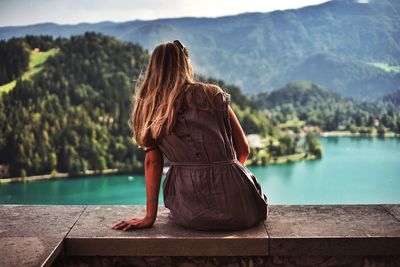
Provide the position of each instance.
(206, 187)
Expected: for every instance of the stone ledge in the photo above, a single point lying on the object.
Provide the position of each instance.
(92, 235)
(32, 235)
(35, 234)
(330, 230)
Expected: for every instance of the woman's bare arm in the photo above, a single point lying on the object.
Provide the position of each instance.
(240, 143)
(153, 166)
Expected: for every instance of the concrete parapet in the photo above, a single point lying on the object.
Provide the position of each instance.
(318, 235)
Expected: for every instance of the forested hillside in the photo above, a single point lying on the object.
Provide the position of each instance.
(347, 46)
(393, 97)
(309, 104)
(73, 115)
(14, 60)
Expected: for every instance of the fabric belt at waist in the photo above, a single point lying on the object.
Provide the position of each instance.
(198, 163)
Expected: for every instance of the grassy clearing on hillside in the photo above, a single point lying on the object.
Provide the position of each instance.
(291, 158)
(36, 63)
(386, 67)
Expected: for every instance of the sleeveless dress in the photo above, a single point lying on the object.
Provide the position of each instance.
(206, 187)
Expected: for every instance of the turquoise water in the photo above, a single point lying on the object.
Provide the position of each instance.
(353, 170)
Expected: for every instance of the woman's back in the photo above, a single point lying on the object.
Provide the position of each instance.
(206, 188)
(198, 135)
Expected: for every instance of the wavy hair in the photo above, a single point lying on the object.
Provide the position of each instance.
(168, 82)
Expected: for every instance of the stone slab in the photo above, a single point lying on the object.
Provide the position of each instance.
(32, 235)
(93, 235)
(393, 209)
(332, 230)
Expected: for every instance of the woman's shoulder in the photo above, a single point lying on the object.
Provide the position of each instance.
(207, 92)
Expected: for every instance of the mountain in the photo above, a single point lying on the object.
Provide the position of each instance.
(347, 46)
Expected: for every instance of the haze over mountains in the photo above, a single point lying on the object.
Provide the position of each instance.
(350, 47)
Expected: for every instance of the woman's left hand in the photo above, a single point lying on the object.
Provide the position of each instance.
(135, 223)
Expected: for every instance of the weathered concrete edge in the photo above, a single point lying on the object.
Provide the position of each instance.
(93, 235)
(54, 254)
(329, 245)
(60, 247)
(373, 244)
(387, 208)
(268, 237)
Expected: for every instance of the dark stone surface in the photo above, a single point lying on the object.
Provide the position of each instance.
(233, 261)
(93, 235)
(332, 230)
(30, 234)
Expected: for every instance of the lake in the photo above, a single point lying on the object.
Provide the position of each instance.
(362, 170)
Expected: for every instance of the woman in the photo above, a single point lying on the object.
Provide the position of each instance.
(193, 125)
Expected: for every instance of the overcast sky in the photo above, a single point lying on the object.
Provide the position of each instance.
(24, 12)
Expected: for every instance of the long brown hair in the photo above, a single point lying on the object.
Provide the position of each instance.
(169, 76)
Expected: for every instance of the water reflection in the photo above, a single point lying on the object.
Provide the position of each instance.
(332, 139)
(352, 170)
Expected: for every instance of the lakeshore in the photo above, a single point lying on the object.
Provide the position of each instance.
(291, 158)
(348, 133)
(272, 161)
(58, 175)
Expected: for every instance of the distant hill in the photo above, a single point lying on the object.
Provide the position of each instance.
(307, 103)
(347, 46)
(297, 94)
